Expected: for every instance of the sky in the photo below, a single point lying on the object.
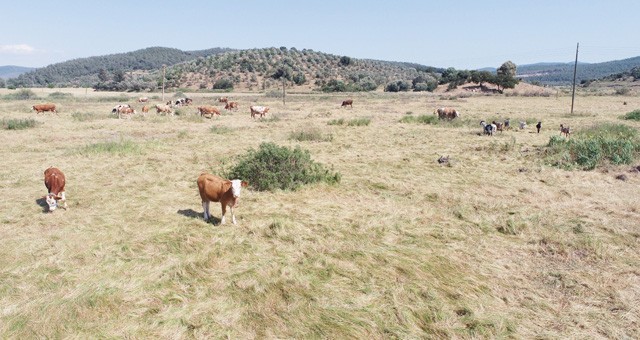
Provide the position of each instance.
(461, 34)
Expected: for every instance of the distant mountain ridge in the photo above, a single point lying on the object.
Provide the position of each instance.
(12, 71)
(562, 73)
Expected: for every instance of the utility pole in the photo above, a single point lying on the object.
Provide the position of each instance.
(164, 68)
(284, 94)
(575, 68)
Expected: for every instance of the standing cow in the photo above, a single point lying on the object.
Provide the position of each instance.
(216, 189)
(54, 181)
(348, 102)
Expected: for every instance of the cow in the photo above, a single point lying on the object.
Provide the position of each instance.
(216, 189)
(348, 102)
(258, 110)
(208, 111)
(145, 109)
(223, 100)
(183, 101)
(126, 111)
(164, 109)
(231, 105)
(119, 108)
(44, 108)
(143, 100)
(54, 181)
(446, 113)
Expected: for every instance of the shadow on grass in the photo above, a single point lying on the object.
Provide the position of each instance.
(42, 202)
(194, 214)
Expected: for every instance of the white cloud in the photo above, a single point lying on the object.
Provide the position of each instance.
(16, 49)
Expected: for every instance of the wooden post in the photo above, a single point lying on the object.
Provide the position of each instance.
(284, 94)
(164, 67)
(575, 68)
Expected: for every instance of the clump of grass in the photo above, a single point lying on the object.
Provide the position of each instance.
(60, 95)
(18, 124)
(274, 167)
(364, 121)
(422, 119)
(114, 99)
(122, 147)
(87, 117)
(21, 94)
(310, 135)
(605, 143)
(336, 122)
(633, 115)
(220, 130)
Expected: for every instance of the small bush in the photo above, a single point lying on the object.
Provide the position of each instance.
(422, 119)
(633, 115)
(223, 84)
(274, 167)
(336, 122)
(18, 124)
(22, 94)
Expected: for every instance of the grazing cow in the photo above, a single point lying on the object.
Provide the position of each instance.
(223, 100)
(54, 181)
(348, 102)
(446, 113)
(489, 129)
(145, 109)
(183, 101)
(44, 108)
(539, 126)
(215, 189)
(126, 111)
(164, 109)
(119, 108)
(565, 130)
(208, 111)
(258, 110)
(231, 105)
(143, 100)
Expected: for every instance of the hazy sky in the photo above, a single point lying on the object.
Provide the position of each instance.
(461, 34)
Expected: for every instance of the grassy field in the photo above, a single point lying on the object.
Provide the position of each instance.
(497, 244)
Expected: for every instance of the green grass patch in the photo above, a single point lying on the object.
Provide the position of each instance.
(599, 145)
(89, 117)
(421, 119)
(22, 94)
(273, 167)
(60, 95)
(364, 121)
(121, 148)
(633, 115)
(340, 121)
(220, 129)
(18, 124)
(310, 135)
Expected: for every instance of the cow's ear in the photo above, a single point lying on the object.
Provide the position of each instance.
(244, 183)
(57, 197)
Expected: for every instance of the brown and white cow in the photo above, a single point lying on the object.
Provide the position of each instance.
(54, 181)
(126, 112)
(145, 109)
(164, 109)
(258, 110)
(208, 111)
(44, 108)
(143, 100)
(446, 113)
(118, 108)
(223, 100)
(216, 189)
(348, 102)
(231, 105)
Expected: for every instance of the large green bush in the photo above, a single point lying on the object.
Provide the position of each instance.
(274, 167)
(602, 144)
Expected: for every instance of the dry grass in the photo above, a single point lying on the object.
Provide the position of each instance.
(497, 244)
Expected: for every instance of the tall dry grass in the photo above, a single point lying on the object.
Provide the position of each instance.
(497, 244)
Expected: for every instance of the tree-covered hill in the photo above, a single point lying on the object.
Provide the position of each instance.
(85, 71)
(562, 73)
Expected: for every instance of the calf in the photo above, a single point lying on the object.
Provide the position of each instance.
(143, 100)
(145, 109)
(223, 100)
(44, 108)
(231, 105)
(348, 102)
(258, 110)
(54, 181)
(216, 189)
(126, 111)
(499, 126)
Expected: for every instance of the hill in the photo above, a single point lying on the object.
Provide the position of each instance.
(85, 71)
(562, 73)
(11, 71)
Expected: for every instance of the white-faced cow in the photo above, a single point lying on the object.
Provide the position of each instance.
(44, 108)
(54, 181)
(216, 189)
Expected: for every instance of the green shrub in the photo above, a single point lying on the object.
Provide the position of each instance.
(86, 116)
(18, 124)
(336, 122)
(219, 129)
(422, 119)
(223, 84)
(274, 167)
(633, 115)
(605, 143)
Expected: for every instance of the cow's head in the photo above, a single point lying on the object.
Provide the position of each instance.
(236, 186)
(52, 201)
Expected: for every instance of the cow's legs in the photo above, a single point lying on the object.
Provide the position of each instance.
(224, 210)
(233, 216)
(205, 207)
